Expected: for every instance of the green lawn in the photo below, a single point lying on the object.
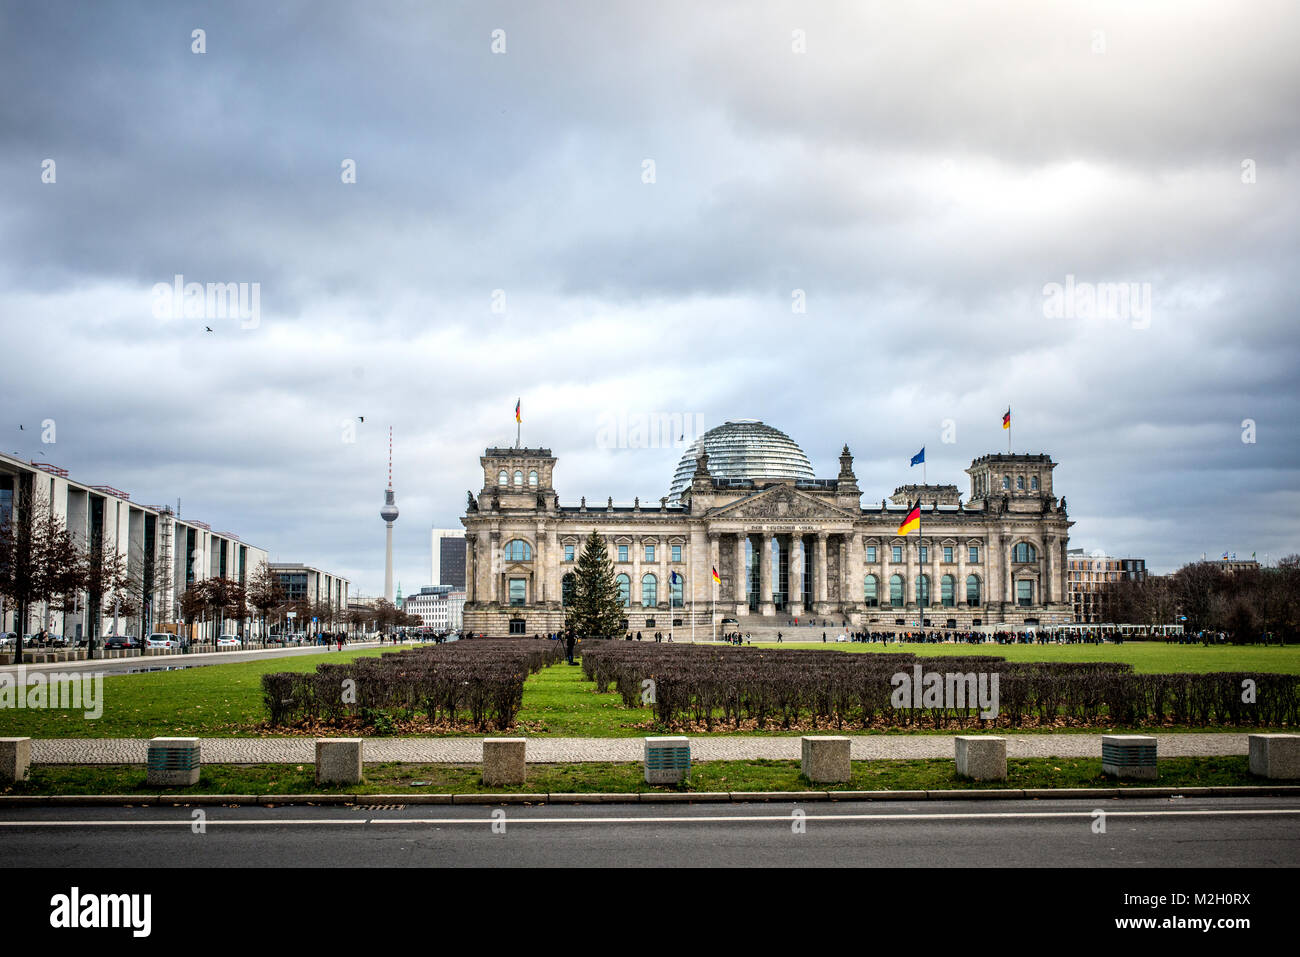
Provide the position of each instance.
(214, 700)
(1147, 657)
(226, 700)
(393, 778)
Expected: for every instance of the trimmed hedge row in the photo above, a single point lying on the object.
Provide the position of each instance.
(479, 682)
(703, 685)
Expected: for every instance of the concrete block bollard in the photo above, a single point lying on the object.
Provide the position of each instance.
(1129, 756)
(503, 761)
(1275, 755)
(825, 760)
(173, 762)
(981, 758)
(667, 760)
(338, 760)
(15, 759)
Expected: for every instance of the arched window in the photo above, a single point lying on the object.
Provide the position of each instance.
(896, 591)
(624, 590)
(518, 551)
(923, 590)
(1006, 481)
(676, 592)
(519, 479)
(1020, 482)
(649, 591)
(1033, 483)
(870, 592)
(972, 590)
(1024, 552)
(503, 477)
(532, 477)
(947, 591)
(567, 584)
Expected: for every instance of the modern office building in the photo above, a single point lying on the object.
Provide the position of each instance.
(448, 557)
(1088, 576)
(439, 606)
(306, 583)
(164, 555)
(783, 543)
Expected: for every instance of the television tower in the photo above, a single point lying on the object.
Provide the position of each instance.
(389, 514)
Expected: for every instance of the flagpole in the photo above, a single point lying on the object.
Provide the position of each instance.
(518, 420)
(690, 570)
(713, 607)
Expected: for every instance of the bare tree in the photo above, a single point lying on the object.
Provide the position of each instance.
(265, 592)
(38, 561)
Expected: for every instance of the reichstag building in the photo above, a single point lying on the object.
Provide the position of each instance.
(786, 544)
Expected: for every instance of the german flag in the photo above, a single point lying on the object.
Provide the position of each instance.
(913, 520)
(1006, 418)
(716, 579)
(517, 419)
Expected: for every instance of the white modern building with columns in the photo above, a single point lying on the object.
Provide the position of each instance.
(785, 544)
(163, 554)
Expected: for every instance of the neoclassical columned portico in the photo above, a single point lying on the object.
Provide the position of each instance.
(732, 551)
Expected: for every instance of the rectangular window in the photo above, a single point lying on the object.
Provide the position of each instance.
(947, 553)
(898, 553)
(650, 553)
(677, 553)
(622, 553)
(925, 557)
(871, 553)
(974, 553)
(1024, 593)
(518, 591)
(568, 553)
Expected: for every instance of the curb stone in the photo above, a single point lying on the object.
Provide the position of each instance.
(598, 797)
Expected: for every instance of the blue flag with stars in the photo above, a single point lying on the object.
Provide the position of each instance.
(919, 457)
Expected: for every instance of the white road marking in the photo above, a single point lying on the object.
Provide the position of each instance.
(697, 819)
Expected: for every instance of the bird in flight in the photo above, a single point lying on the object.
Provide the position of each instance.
(207, 328)
(362, 418)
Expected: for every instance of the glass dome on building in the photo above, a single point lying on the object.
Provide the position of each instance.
(743, 449)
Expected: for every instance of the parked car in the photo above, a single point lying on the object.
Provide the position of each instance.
(8, 639)
(57, 641)
(227, 641)
(162, 640)
(117, 642)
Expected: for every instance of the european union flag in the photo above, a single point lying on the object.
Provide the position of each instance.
(674, 578)
(919, 457)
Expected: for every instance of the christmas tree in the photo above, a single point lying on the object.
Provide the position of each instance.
(596, 611)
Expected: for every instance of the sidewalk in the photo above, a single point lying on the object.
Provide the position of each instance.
(576, 750)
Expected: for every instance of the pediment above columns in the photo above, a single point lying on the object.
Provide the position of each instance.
(781, 504)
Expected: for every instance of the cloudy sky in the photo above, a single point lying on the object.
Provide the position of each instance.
(838, 218)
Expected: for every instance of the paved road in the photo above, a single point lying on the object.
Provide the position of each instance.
(119, 666)
(1231, 832)
(568, 750)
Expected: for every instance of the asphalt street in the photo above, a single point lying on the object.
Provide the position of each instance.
(1212, 832)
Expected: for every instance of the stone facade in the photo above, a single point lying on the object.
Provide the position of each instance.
(783, 548)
